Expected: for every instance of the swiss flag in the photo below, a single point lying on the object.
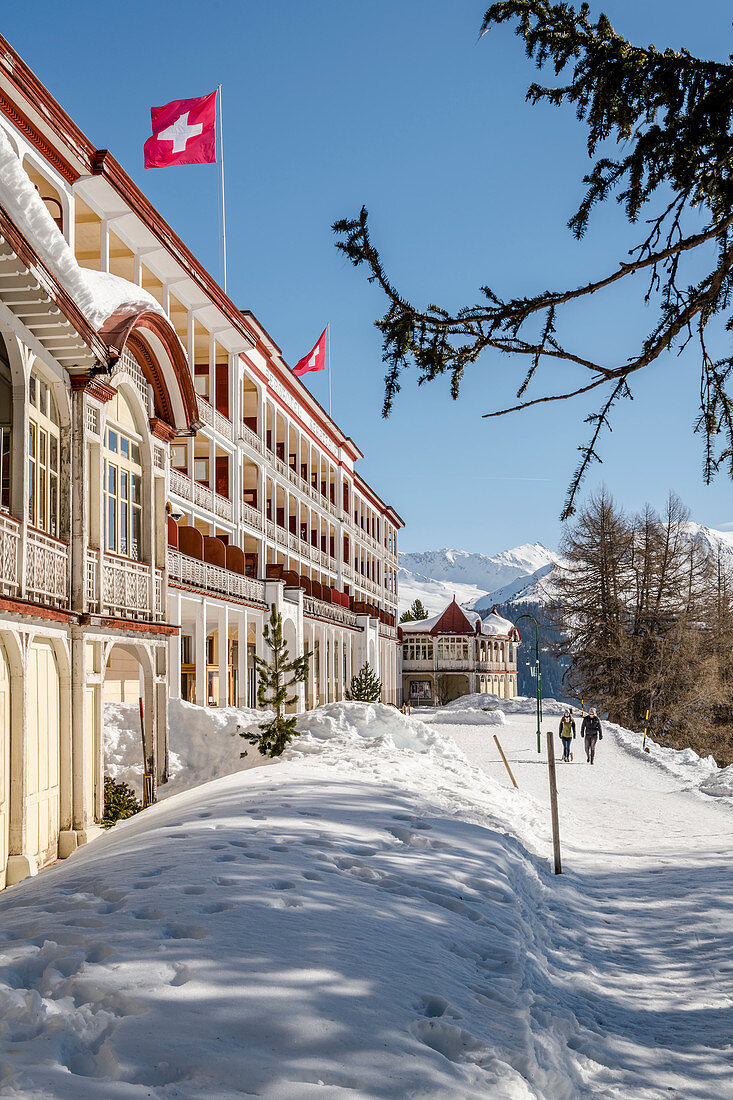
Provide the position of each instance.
(315, 359)
(184, 132)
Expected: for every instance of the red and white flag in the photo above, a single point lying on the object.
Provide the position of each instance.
(315, 359)
(184, 132)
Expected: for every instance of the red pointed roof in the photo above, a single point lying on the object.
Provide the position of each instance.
(453, 621)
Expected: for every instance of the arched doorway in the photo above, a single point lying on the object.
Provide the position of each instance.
(43, 697)
(128, 678)
(4, 763)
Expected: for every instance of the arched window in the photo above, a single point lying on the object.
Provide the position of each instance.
(123, 482)
(44, 457)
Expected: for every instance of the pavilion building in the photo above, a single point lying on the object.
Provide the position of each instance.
(458, 653)
(164, 479)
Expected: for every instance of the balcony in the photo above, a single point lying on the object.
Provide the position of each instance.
(46, 569)
(251, 438)
(319, 609)
(213, 578)
(9, 556)
(130, 589)
(202, 496)
(215, 419)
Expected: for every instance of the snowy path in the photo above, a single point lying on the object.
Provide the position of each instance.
(374, 917)
(644, 909)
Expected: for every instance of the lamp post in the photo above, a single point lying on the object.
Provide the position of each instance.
(538, 671)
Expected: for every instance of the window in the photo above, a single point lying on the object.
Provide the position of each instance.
(453, 649)
(418, 649)
(44, 455)
(179, 457)
(201, 470)
(123, 494)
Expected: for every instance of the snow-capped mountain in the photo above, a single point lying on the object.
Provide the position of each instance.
(523, 574)
(435, 576)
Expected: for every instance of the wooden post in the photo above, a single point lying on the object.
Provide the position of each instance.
(506, 762)
(553, 803)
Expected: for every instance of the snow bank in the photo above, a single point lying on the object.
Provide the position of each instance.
(204, 744)
(685, 764)
(349, 921)
(479, 709)
(719, 784)
(96, 293)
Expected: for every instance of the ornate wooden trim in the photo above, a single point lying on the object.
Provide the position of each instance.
(161, 430)
(94, 387)
(36, 138)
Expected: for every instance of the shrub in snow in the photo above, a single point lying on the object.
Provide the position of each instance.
(119, 802)
(365, 687)
(273, 689)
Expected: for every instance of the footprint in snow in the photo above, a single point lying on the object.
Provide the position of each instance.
(193, 889)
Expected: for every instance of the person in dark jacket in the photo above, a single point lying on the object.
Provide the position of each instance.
(592, 732)
(567, 733)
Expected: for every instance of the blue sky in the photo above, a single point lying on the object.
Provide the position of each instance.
(330, 104)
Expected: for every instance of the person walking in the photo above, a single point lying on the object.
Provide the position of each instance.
(567, 733)
(592, 732)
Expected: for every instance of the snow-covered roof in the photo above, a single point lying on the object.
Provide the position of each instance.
(494, 625)
(98, 294)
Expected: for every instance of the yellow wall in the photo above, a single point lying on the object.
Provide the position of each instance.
(42, 687)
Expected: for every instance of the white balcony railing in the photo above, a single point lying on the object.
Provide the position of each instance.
(130, 589)
(251, 515)
(46, 569)
(9, 559)
(321, 610)
(212, 578)
(201, 495)
(215, 419)
(252, 438)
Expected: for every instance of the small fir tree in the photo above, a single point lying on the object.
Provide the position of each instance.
(365, 687)
(119, 802)
(415, 613)
(273, 689)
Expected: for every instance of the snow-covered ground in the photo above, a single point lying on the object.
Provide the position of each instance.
(375, 915)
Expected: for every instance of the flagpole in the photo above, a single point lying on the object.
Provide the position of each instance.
(221, 193)
(328, 345)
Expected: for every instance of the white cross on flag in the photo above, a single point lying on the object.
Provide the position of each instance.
(184, 132)
(315, 359)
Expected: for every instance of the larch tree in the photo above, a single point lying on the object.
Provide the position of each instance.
(671, 117)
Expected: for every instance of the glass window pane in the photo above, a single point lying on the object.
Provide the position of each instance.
(32, 390)
(135, 453)
(124, 447)
(137, 492)
(112, 441)
(53, 505)
(53, 458)
(123, 525)
(135, 549)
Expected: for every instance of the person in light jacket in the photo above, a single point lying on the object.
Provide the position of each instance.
(592, 732)
(567, 733)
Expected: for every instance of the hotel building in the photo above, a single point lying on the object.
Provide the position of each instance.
(164, 478)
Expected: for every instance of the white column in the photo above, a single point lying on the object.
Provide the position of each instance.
(199, 642)
(174, 651)
(223, 629)
(243, 686)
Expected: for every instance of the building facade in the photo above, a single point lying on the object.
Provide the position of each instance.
(458, 653)
(164, 479)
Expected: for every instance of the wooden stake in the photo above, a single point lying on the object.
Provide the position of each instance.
(553, 803)
(506, 762)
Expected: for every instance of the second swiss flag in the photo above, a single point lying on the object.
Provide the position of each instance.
(184, 132)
